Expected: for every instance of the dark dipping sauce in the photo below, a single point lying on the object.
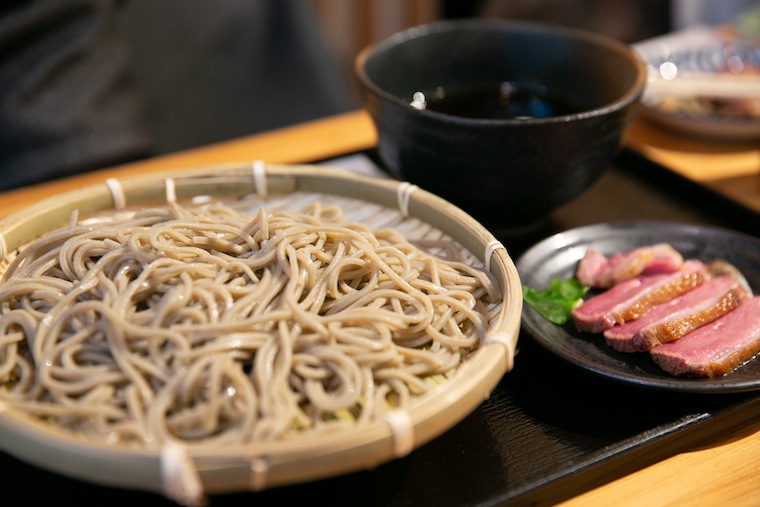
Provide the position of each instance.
(499, 101)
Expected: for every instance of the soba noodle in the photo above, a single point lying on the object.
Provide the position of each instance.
(212, 325)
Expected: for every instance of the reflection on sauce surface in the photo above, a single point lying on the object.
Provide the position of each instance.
(504, 100)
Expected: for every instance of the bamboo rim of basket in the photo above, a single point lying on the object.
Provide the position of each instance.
(230, 469)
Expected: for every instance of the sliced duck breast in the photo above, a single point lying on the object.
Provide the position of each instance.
(716, 348)
(673, 329)
(597, 271)
(673, 319)
(629, 300)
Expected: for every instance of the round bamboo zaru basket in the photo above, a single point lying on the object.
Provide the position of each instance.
(187, 475)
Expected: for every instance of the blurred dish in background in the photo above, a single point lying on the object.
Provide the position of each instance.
(705, 82)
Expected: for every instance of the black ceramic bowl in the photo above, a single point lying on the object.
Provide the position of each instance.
(507, 171)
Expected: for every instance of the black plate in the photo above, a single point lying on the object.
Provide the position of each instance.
(558, 255)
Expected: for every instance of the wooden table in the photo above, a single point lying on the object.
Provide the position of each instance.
(724, 469)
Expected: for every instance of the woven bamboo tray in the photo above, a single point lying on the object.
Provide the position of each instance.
(187, 475)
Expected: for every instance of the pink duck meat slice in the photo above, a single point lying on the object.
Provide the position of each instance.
(596, 270)
(673, 319)
(717, 348)
(629, 300)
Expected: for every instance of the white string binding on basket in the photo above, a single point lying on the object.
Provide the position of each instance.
(259, 471)
(491, 247)
(496, 336)
(505, 340)
(117, 193)
(171, 190)
(3, 247)
(259, 170)
(404, 194)
(180, 477)
(402, 432)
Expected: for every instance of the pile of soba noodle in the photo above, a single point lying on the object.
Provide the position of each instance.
(211, 325)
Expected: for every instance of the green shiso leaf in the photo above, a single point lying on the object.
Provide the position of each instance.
(558, 299)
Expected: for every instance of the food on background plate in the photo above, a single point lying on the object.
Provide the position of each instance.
(731, 91)
(704, 82)
(212, 324)
(695, 319)
(704, 71)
